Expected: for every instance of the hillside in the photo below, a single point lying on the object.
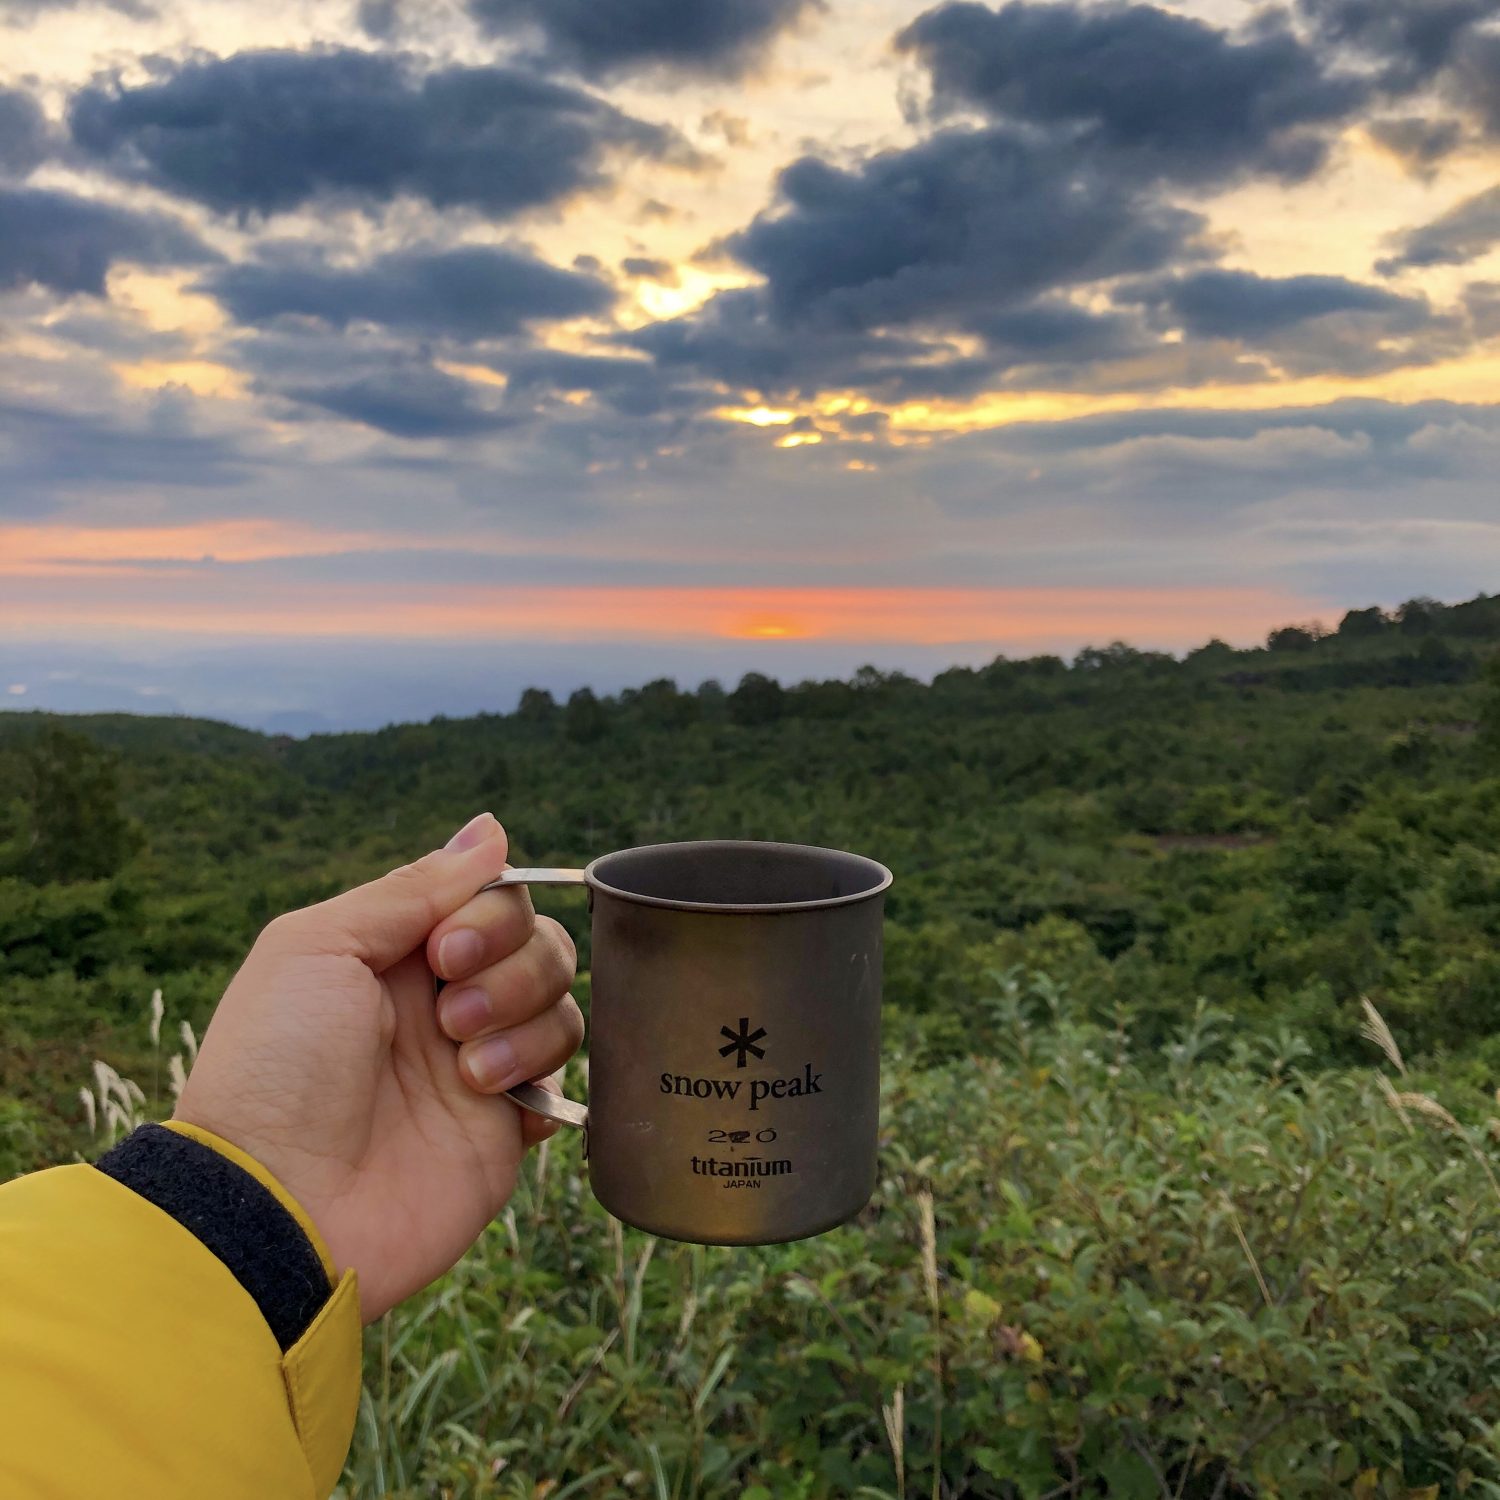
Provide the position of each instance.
(1130, 1117)
(1280, 831)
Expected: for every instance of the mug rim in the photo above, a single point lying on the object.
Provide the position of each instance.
(882, 881)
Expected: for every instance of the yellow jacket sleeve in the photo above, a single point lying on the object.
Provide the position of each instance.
(134, 1364)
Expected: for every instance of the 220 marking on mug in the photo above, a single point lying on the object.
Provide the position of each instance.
(739, 1137)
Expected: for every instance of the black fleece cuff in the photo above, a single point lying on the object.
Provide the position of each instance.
(237, 1218)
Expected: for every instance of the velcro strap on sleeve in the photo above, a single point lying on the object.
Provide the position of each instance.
(234, 1216)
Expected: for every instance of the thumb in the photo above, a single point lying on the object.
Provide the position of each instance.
(385, 920)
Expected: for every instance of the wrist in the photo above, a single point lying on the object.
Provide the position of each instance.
(308, 1187)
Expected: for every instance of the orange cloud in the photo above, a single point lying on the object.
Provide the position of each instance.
(207, 601)
(937, 616)
(59, 550)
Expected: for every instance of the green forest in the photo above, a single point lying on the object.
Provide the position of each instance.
(1189, 1181)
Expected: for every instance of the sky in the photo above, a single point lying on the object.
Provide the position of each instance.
(366, 361)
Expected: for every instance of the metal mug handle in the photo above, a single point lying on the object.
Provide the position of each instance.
(538, 1100)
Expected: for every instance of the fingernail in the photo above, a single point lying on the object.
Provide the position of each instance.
(463, 1012)
(492, 1063)
(459, 952)
(475, 831)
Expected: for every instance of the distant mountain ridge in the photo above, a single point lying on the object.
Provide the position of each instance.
(1420, 641)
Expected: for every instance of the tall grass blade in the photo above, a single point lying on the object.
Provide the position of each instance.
(712, 1378)
(658, 1474)
(1374, 1029)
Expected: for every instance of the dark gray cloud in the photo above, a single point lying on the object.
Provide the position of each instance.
(1476, 79)
(962, 223)
(1414, 39)
(1386, 425)
(370, 375)
(380, 19)
(116, 334)
(68, 244)
(1455, 238)
(410, 399)
(260, 132)
(880, 277)
(159, 443)
(600, 40)
(733, 340)
(1220, 304)
(648, 269)
(1190, 480)
(950, 267)
(474, 292)
(1230, 322)
(1160, 93)
(24, 137)
(1444, 46)
(22, 11)
(1418, 143)
(632, 387)
(1057, 330)
(1482, 302)
(1049, 344)
(1053, 344)
(366, 374)
(1048, 328)
(1299, 325)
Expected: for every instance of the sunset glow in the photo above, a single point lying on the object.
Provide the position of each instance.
(61, 550)
(895, 332)
(197, 599)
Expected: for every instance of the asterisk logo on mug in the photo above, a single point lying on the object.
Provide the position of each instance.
(742, 1042)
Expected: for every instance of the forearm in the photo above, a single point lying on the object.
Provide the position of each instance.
(169, 1326)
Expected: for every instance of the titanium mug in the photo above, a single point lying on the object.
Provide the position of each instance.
(734, 1055)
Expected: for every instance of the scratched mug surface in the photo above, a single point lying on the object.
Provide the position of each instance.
(734, 1048)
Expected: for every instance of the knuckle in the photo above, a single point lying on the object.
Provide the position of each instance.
(515, 924)
(282, 931)
(412, 873)
(560, 942)
(571, 1018)
(416, 872)
(411, 883)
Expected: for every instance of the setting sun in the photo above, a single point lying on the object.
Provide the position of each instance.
(778, 629)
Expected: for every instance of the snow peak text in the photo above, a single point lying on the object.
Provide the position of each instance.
(799, 1084)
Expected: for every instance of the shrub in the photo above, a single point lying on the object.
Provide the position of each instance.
(1077, 1278)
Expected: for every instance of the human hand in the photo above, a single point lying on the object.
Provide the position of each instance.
(329, 1062)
